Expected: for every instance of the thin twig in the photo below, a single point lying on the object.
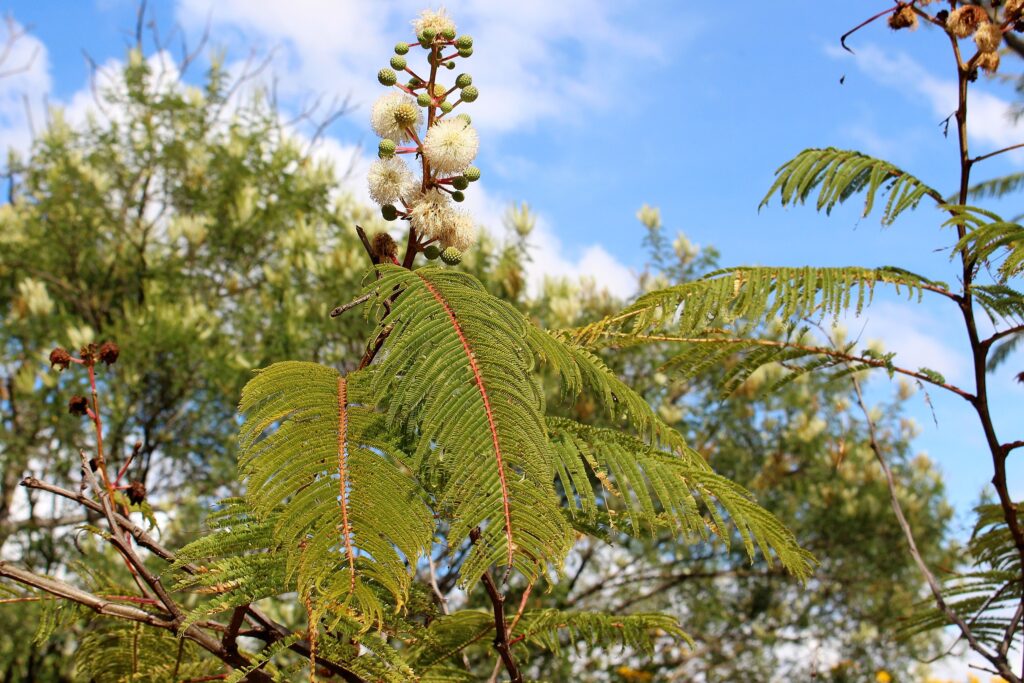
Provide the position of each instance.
(933, 585)
(351, 304)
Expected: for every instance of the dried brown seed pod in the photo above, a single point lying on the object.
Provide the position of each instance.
(60, 357)
(109, 351)
(136, 492)
(78, 405)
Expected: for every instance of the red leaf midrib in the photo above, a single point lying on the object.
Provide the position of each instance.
(479, 380)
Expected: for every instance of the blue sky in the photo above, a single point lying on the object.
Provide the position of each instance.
(589, 109)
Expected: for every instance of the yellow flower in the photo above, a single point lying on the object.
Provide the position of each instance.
(883, 677)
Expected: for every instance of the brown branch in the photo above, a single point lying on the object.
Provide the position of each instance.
(501, 639)
(997, 152)
(998, 661)
(270, 631)
(129, 613)
(351, 304)
(822, 350)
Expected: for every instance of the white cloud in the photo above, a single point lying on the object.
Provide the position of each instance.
(22, 93)
(533, 59)
(991, 122)
(915, 334)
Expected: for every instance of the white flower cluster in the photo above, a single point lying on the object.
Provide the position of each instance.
(416, 119)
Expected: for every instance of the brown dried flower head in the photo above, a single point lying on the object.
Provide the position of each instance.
(988, 37)
(136, 492)
(78, 405)
(904, 17)
(1013, 9)
(384, 247)
(60, 357)
(988, 62)
(88, 354)
(109, 351)
(964, 21)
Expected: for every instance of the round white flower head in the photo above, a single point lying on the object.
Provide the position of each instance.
(451, 145)
(460, 232)
(432, 213)
(393, 114)
(390, 180)
(439, 21)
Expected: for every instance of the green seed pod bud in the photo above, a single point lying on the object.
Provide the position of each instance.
(398, 63)
(423, 99)
(440, 92)
(465, 51)
(448, 34)
(460, 182)
(472, 174)
(451, 256)
(466, 118)
(464, 42)
(386, 148)
(414, 82)
(432, 252)
(447, 106)
(424, 42)
(449, 65)
(463, 80)
(428, 34)
(470, 93)
(389, 212)
(387, 77)
(402, 48)
(458, 197)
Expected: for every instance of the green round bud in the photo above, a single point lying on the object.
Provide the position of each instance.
(472, 174)
(428, 34)
(458, 197)
(432, 252)
(414, 82)
(449, 65)
(447, 106)
(451, 256)
(424, 42)
(389, 212)
(460, 182)
(423, 99)
(448, 34)
(463, 80)
(466, 118)
(402, 48)
(470, 93)
(398, 63)
(386, 148)
(440, 92)
(465, 51)
(464, 42)
(387, 77)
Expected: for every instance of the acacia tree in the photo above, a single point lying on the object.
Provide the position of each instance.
(716, 320)
(442, 428)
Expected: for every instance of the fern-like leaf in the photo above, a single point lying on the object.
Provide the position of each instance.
(347, 512)
(547, 628)
(581, 371)
(646, 489)
(749, 295)
(840, 174)
(126, 652)
(237, 563)
(457, 370)
(988, 237)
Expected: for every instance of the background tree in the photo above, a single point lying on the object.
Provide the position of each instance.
(295, 239)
